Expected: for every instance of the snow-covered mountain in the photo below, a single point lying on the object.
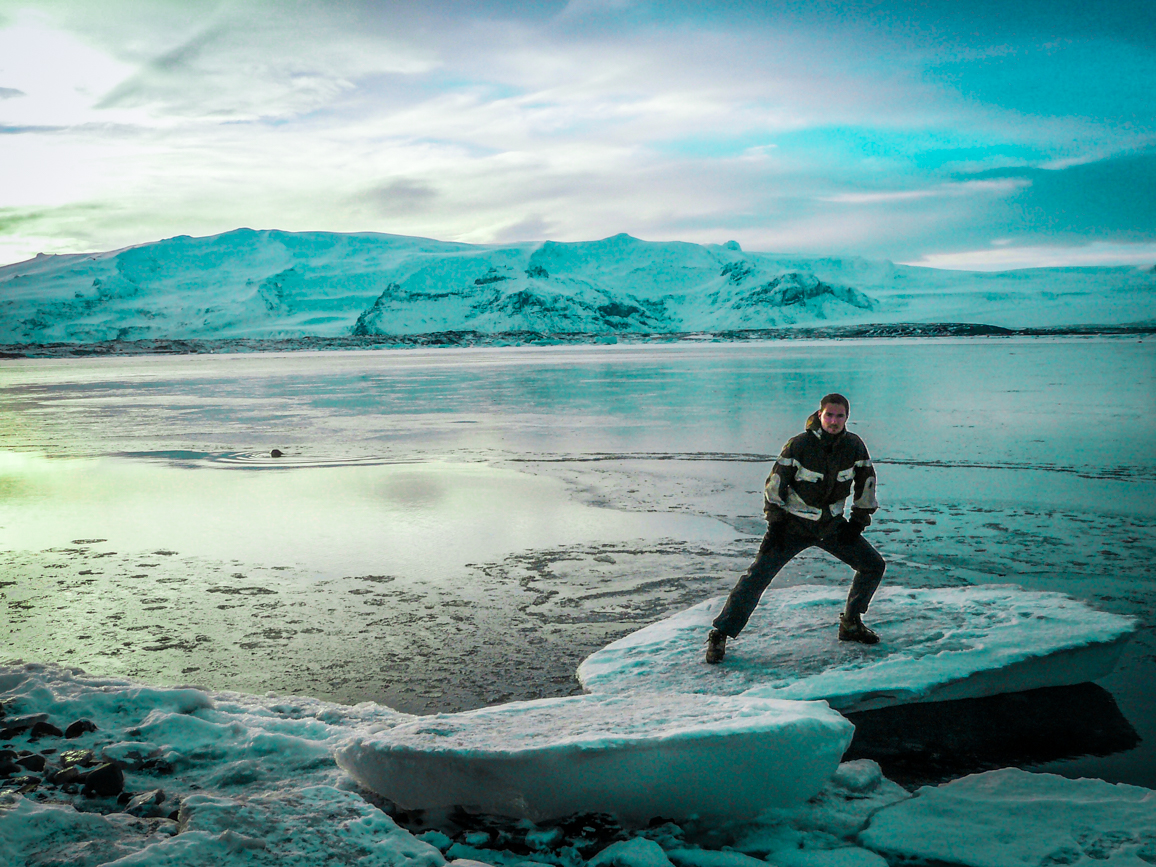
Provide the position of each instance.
(273, 284)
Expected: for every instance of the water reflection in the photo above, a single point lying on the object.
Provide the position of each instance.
(333, 516)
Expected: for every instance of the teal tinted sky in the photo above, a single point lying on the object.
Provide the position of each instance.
(981, 134)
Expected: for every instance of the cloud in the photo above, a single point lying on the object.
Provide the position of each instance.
(399, 197)
(876, 127)
(264, 61)
(967, 188)
(1004, 258)
(10, 93)
(531, 228)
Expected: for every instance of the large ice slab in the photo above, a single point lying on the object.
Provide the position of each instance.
(1011, 818)
(637, 757)
(938, 645)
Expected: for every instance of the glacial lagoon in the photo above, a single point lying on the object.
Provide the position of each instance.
(451, 528)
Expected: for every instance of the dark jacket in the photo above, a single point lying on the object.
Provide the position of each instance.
(815, 474)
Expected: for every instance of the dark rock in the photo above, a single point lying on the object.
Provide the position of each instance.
(81, 726)
(26, 783)
(104, 780)
(13, 727)
(146, 805)
(44, 730)
(33, 763)
(491, 276)
(158, 766)
(8, 755)
(62, 776)
(84, 758)
(276, 453)
(8, 768)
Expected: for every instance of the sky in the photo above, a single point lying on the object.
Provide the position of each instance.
(988, 134)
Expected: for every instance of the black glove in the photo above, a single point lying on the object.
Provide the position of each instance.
(849, 532)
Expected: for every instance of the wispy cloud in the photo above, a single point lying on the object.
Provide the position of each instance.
(1008, 257)
(888, 130)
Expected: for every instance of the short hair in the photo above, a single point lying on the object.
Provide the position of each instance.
(834, 397)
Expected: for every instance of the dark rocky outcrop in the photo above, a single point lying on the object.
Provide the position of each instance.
(104, 780)
(490, 277)
(32, 762)
(801, 288)
(78, 728)
(44, 729)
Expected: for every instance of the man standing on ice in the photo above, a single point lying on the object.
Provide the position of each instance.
(803, 502)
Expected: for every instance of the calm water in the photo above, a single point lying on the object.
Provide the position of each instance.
(449, 528)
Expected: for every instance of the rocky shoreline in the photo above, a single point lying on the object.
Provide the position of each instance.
(163, 346)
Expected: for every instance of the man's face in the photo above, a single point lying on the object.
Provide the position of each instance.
(833, 418)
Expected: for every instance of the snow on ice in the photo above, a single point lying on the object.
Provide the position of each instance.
(242, 777)
(252, 780)
(238, 779)
(938, 645)
(634, 756)
(1009, 818)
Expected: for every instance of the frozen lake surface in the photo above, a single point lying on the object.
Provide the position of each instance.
(453, 528)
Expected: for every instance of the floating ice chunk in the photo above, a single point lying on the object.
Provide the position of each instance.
(635, 852)
(637, 757)
(937, 645)
(1012, 817)
(822, 832)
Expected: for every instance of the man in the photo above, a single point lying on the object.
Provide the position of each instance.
(803, 502)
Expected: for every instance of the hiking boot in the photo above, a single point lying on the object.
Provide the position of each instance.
(716, 647)
(852, 629)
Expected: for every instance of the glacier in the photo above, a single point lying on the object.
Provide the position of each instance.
(270, 284)
(938, 645)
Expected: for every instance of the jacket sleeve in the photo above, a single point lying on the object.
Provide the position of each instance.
(864, 504)
(778, 482)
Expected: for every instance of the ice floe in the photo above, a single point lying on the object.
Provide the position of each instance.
(252, 780)
(938, 645)
(1009, 818)
(636, 757)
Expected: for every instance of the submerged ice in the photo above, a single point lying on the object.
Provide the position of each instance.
(938, 645)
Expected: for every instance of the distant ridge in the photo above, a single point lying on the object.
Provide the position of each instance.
(285, 286)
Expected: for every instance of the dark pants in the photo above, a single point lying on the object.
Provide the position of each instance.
(774, 554)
